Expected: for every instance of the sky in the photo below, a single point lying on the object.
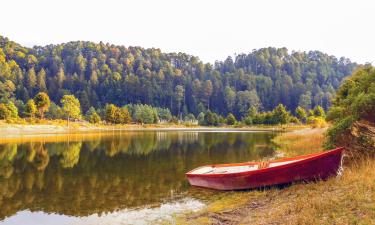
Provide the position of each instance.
(209, 29)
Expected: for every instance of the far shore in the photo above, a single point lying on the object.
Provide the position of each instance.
(53, 127)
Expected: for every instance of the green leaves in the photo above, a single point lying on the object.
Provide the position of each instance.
(71, 107)
(30, 108)
(231, 120)
(8, 111)
(145, 114)
(4, 112)
(301, 114)
(99, 74)
(355, 100)
(116, 115)
(92, 116)
(42, 102)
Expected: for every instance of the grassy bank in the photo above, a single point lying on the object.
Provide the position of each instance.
(300, 142)
(348, 199)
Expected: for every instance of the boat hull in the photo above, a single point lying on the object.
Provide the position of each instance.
(313, 167)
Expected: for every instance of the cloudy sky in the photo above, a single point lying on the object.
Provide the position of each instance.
(210, 29)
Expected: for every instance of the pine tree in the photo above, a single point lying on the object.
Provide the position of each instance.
(61, 77)
(31, 80)
(301, 114)
(41, 81)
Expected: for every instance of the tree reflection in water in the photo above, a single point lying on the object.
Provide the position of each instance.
(115, 171)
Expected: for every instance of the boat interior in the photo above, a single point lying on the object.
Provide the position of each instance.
(242, 167)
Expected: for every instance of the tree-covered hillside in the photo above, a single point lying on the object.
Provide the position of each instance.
(98, 74)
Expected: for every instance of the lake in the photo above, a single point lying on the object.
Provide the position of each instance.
(115, 177)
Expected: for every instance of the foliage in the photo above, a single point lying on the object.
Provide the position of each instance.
(145, 114)
(200, 118)
(99, 74)
(42, 102)
(12, 109)
(189, 117)
(4, 111)
(294, 119)
(54, 112)
(71, 107)
(319, 111)
(354, 101)
(110, 113)
(248, 120)
(116, 115)
(30, 108)
(316, 122)
(252, 112)
(122, 116)
(164, 114)
(211, 119)
(278, 115)
(92, 116)
(8, 111)
(231, 120)
(301, 114)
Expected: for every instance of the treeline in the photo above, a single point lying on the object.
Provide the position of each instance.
(70, 108)
(101, 74)
(279, 115)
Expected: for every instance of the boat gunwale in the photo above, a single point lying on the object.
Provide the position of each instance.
(304, 159)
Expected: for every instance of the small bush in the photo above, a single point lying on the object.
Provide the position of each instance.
(316, 122)
(231, 120)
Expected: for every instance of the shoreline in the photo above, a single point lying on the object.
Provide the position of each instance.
(52, 128)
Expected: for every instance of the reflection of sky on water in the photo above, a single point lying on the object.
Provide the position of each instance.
(141, 216)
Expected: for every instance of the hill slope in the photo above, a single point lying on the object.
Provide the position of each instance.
(99, 73)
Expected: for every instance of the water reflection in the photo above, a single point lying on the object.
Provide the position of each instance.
(163, 214)
(115, 171)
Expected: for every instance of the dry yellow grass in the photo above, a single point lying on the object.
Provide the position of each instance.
(349, 199)
(300, 142)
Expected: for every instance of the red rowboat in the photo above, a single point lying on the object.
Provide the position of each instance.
(259, 174)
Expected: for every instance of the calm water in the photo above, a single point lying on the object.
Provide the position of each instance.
(114, 178)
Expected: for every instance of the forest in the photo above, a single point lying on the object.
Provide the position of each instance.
(100, 76)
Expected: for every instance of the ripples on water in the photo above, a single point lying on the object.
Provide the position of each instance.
(117, 177)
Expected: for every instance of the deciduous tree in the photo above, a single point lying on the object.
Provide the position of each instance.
(30, 108)
(71, 107)
(42, 102)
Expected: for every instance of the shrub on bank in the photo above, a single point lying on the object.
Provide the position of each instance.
(353, 113)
